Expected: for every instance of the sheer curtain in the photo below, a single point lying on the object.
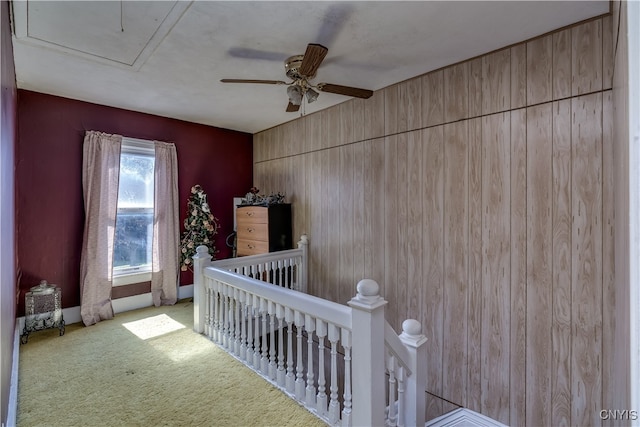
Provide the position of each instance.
(166, 232)
(100, 173)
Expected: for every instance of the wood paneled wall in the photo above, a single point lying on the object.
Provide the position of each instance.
(479, 196)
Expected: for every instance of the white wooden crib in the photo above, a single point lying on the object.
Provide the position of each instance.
(344, 363)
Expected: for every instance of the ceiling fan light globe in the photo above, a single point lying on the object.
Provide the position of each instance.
(295, 95)
(311, 95)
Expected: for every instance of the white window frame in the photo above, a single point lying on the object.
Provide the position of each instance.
(130, 275)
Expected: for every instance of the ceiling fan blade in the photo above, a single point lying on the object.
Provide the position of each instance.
(267, 82)
(345, 90)
(313, 57)
(292, 108)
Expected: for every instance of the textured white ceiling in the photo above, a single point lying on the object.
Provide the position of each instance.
(167, 58)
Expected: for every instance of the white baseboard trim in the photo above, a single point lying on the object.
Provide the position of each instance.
(13, 388)
(120, 305)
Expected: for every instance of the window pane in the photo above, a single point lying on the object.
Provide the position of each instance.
(134, 222)
(135, 189)
(134, 238)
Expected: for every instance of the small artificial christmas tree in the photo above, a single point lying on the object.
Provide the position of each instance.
(199, 228)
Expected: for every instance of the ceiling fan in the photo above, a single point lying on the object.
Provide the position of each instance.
(301, 69)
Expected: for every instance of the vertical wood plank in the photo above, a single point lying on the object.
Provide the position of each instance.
(314, 184)
(278, 142)
(391, 228)
(456, 208)
(374, 198)
(285, 136)
(586, 292)
(330, 191)
(391, 117)
(345, 114)
(586, 57)
(313, 132)
(539, 269)
(456, 101)
(433, 99)
(519, 76)
(415, 280)
(609, 387)
(518, 346)
(474, 329)
(410, 104)
(358, 215)
(357, 119)
(539, 67)
(496, 81)
(402, 226)
(561, 73)
(607, 52)
(475, 87)
(344, 221)
(257, 141)
(432, 315)
(496, 266)
(374, 116)
(561, 250)
(331, 124)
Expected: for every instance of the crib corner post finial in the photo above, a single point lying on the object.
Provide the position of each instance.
(303, 245)
(368, 354)
(414, 340)
(201, 259)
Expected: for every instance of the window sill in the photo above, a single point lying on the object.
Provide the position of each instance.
(129, 279)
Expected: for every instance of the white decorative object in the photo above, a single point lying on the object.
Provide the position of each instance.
(43, 310)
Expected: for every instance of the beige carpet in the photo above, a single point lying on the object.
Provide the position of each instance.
(144, 368)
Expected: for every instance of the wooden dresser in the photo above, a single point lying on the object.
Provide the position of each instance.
(263, 229)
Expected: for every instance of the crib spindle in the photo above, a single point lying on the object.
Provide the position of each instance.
(391, 369)
(280, 375)
(250, 350)
(346, 345)
(290, 381)
(299, 320)
(310, 326)
(264, 355)
(256, 333)
(272, 341)
(243, 325)
(236, 321)
(334, 405)
(401, 397)
(321, 399)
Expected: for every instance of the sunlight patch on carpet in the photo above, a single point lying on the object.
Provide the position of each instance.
(152, 327)
(176, 350)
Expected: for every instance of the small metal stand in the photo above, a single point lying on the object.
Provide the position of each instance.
(43, 310)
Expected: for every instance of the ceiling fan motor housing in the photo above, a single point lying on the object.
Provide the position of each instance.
(292, 65)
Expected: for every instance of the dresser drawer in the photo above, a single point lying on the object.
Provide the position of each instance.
(252, 247)
(253, 231)
(252, 215)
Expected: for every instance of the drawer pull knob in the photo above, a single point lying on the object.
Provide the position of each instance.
(249, 213)
(250, 230)
(250, 246)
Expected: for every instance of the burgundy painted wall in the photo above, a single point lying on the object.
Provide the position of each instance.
(8, 101)
(49, 205)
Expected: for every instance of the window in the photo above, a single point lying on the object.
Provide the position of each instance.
(134, 221)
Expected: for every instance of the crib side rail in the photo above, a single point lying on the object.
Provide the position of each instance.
(287, 269)
(305, 345)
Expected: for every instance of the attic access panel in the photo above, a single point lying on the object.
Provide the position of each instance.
(120, 33)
